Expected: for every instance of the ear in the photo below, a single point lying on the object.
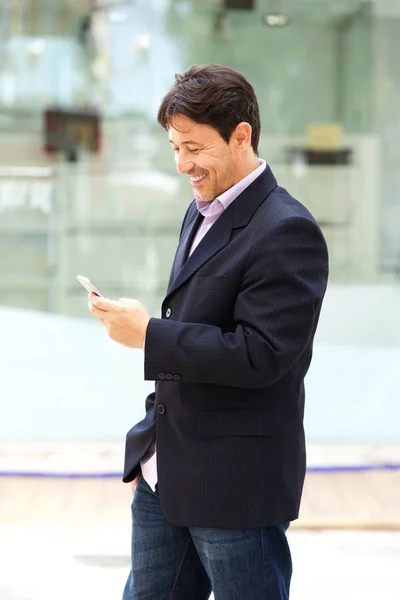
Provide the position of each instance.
(242, 135)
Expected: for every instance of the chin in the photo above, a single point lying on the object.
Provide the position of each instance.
(202, 198)
(208, 196)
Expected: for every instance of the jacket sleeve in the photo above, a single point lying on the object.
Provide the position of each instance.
(275, 313)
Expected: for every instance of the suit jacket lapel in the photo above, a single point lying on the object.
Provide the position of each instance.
(237, 215)
(214, 240)
(185, 244)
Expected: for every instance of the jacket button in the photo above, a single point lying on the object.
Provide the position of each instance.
(161, 409)
(176, 377)
(168, 313)
(161, 376)
(168, 376)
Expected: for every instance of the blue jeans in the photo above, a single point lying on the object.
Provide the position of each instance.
(186, 563)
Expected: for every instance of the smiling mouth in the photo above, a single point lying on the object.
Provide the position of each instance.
(196, 180)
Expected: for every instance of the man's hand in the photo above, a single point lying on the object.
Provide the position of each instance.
(134, 484)
(125, 320)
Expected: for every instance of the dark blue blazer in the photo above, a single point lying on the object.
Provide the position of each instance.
(229, 356)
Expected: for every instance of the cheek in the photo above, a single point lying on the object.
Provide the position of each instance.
(214, 172)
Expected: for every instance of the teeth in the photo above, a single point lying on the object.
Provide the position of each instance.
(196, 179)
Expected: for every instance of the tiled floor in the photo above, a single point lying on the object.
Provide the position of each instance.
(351, 499)
(342, 500)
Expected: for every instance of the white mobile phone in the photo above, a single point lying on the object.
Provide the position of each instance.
(89, 286)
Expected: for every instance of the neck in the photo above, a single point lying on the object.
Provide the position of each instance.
(249, 166)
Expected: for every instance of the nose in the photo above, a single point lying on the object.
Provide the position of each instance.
(183, 163)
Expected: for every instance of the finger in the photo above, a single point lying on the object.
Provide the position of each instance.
(97, 312)
(103, 304)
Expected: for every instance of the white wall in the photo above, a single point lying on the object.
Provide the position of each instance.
(353, 387)
(61, 378)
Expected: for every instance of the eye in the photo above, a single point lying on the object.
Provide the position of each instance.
(194, 150)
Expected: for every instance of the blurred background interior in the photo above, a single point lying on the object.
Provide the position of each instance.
(88, 186)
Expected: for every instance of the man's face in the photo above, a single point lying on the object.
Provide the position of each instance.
(202, 154)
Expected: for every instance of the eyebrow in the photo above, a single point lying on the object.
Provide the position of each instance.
(187, 142)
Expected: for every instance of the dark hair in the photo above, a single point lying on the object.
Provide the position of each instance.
(213, 95)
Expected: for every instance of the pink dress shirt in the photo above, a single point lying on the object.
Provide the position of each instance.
(210, 211)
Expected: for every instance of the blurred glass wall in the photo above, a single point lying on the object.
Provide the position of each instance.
(327, 77)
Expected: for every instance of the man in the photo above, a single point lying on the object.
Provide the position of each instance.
(221, 449)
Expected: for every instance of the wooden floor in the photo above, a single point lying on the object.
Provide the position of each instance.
(358, 500)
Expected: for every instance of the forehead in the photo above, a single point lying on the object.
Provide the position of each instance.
(183, 130)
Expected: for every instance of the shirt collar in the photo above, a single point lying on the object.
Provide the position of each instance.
(221, 203)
